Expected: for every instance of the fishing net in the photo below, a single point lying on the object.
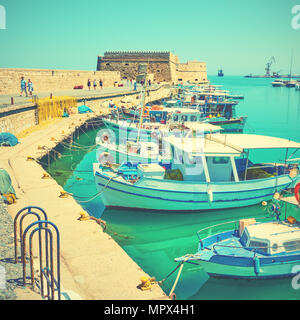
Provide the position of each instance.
(55, 107)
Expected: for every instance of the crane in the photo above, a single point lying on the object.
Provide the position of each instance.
(268, 66)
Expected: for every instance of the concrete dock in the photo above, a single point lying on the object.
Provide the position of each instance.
(92, 264)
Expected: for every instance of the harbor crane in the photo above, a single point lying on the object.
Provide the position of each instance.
(268, 66)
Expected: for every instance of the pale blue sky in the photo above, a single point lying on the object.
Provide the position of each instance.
(239, 36)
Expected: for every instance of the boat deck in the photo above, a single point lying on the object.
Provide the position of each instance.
(291, 200)
(227, 247)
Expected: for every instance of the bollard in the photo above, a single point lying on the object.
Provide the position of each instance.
(11, 100)
(50, 95)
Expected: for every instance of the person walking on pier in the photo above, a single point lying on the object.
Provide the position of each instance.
(89, 84)
(30, 87)
(95, 84)
(23, 87)
(101, 83)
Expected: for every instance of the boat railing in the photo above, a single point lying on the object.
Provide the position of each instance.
(255, 249)
(235, 222)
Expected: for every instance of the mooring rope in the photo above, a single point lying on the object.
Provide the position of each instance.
(97, 194)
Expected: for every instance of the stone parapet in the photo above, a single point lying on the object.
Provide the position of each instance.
(53, 80)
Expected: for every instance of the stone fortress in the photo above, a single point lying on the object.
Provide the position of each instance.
(162, 66)
(112, 68)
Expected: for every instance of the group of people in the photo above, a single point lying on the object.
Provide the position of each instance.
(26, 86)
(89, 84)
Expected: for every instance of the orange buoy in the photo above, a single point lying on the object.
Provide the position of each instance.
(296, 192)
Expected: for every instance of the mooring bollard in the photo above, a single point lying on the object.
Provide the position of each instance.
(11, 100)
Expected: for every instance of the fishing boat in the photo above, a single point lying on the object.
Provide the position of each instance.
(278, 83)
(148, 148)
(214, 172)
(297, 86)
(249, 248)
(214, 111)
(220, 73)
(291, 83)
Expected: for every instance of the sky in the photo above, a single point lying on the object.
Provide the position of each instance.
(239, 36)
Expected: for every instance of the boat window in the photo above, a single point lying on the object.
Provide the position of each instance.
(193, 118)
(220, 160)
(292, 246)
(184, 118)
(175, 118)
(261, 246)
(244, 238)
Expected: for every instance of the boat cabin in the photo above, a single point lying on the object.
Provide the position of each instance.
(272, 238)
(225, 157)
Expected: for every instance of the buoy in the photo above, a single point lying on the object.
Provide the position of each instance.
(256, 265)
(264, 203)
(210, 194)
(296, 192)
(291, 220)
(45, 176)
(276, 196)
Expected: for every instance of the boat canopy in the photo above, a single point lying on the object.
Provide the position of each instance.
(207, 127)
(202, 146)
(274, 232)
(242, 142)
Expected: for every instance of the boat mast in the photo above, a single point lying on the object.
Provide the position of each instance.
(291, 65)
(143, 70)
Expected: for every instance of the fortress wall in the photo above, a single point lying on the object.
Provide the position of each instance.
(192, 71)
(165, 66)
(52, 80)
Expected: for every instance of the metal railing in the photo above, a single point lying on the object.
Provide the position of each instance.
(46, 238)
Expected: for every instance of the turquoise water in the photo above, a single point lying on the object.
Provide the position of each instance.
(153, 239)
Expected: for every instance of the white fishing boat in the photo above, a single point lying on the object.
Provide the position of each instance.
(249, 248)
(215, 173)
(279, 83)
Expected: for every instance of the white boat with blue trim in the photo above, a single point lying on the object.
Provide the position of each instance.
(252, 250)
(215, 173)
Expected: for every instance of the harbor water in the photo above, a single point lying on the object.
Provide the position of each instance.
(154, 239)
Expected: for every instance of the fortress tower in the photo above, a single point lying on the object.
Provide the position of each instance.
(164, 66)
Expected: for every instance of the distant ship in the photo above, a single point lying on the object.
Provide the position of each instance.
(220, 73)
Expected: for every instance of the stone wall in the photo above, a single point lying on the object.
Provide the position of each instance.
(18, 119)
(127, 64)
(52, 80)
(192, 71)
(165, 66)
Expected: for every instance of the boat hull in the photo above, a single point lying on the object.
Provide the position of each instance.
(229, 126)
(265, 271)
(172, 195)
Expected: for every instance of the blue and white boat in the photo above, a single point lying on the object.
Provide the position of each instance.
(215, 173)
(249, 249)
